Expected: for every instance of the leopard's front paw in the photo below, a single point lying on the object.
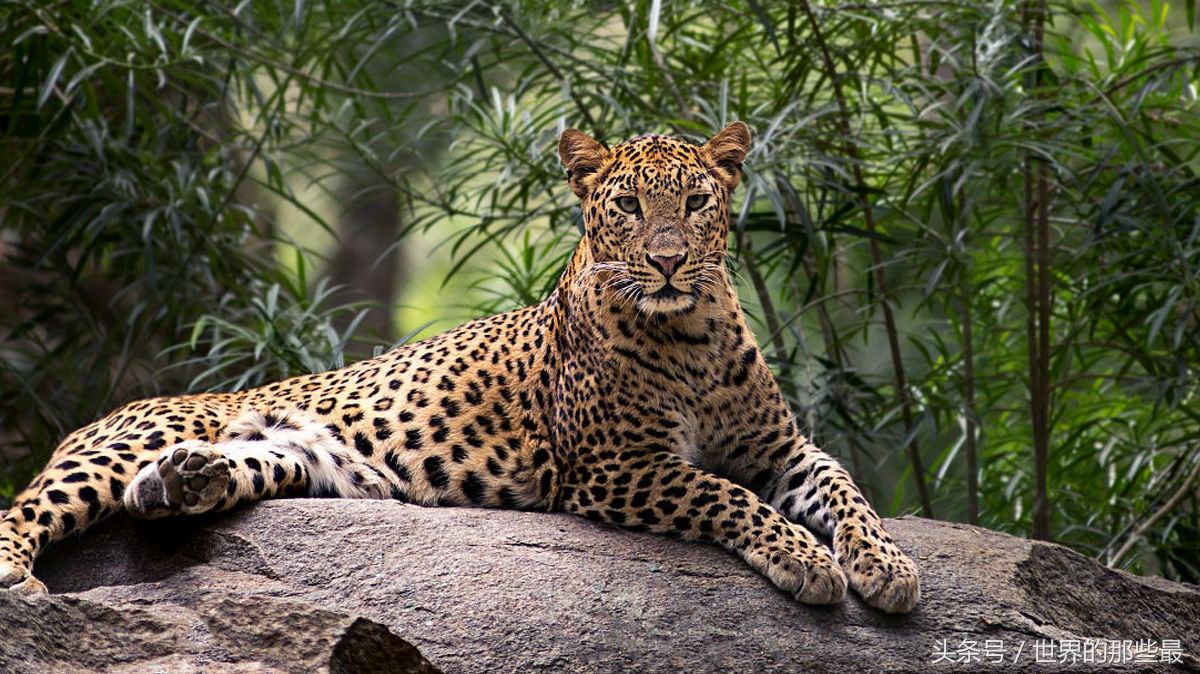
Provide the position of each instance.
(14, 574)
(824, 582)
(188, 478)
(30, 587)
(881, 574)
(809, 574)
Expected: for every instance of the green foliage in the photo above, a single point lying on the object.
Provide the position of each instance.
(138, 141)
(968, 234)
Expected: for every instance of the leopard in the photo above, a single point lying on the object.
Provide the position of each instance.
(635, 395)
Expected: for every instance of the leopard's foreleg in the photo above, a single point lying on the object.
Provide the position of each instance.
(660, 492)
(814, 490)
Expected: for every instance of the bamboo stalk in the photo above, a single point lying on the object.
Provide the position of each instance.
(968, 347)
(1037, 288)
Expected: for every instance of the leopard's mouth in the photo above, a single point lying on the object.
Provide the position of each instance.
(669, 292)
(668, 300)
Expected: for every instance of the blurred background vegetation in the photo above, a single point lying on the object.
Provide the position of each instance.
(968, 237)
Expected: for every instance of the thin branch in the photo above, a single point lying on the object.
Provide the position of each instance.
(544, 50)
(1138, 533)
(893, 337)
(768, 307)
(308, 77)
(1126, 81)
(541, 56)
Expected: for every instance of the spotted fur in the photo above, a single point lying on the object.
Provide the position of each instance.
(633, 395)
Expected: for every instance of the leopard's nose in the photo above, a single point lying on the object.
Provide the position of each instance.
(667, 264)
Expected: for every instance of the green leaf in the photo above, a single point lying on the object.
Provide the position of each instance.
(51, 80)
(652, 20)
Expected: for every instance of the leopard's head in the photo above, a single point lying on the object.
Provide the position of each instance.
(656, 212)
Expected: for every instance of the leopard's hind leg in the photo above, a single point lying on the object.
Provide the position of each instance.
(259, 456)
(87, 475)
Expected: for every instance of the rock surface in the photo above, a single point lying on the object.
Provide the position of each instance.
(346, 586)
(211, 633)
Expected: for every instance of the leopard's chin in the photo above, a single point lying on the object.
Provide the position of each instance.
(668, 301)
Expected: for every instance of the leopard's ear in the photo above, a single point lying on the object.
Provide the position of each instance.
(583, 156)
(728, 148)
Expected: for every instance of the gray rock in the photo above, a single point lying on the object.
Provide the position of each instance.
(210, 632)
(291, 584)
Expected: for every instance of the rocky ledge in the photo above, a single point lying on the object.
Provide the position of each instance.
(371, 586)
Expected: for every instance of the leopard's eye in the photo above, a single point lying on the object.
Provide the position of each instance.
(696, 201)
(628, 204)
